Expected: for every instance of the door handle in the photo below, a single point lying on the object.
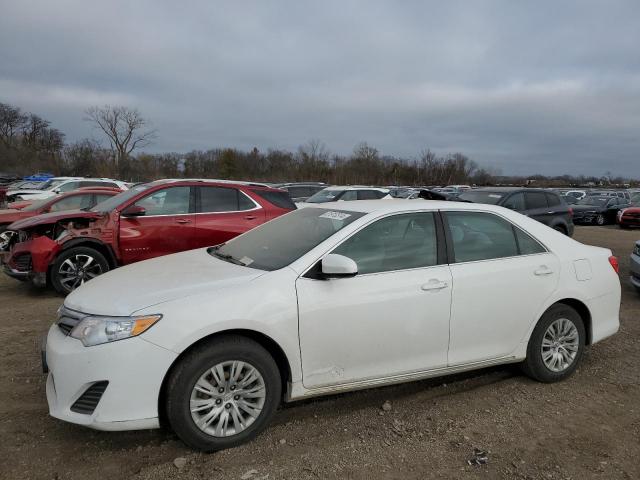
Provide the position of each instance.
(183, 220)
(434, 284)
(250, 217)
(543, 270)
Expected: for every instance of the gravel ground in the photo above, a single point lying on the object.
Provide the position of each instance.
(586, 427)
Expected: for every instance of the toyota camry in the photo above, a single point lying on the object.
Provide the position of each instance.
(322, 300)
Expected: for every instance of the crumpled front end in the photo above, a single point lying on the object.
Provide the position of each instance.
(30, 259)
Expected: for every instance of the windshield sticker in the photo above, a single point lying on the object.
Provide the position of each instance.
(335, 215)
(493, 195)
(246, 260)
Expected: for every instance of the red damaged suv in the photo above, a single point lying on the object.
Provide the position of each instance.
(69, 248)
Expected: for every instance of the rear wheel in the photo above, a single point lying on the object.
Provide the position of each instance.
(223, 393)
(76, 266)
(561, 229)
(556, 345)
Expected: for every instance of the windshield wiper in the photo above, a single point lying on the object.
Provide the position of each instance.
(225, 256)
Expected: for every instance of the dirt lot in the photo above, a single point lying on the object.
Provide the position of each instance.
(587, 427)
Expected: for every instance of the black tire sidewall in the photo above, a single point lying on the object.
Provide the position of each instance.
(534, 364)
(184, 376)
(65, 254)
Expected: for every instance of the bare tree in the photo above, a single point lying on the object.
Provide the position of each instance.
(12, 120)
(125, 128)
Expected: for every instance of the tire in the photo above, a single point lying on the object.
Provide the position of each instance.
(600, 220)
(623, 226)
(62, 269)
(201, 361)
(534, 365)
(560, 228)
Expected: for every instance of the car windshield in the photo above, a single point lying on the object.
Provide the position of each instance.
(597, 201)
(482, 197)
(34, 206)
(324, 196)
(281, 241)
(113, 202)
(49, 184)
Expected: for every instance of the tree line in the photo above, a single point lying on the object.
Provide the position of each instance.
(28, 144)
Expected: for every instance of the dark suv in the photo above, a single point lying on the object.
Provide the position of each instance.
(543, 205)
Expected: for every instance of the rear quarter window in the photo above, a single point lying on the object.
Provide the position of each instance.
(278, 199)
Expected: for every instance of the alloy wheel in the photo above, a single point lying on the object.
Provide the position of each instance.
(6, 238)
(560, 345)
(227, 398)
(600, 219)
(78, 269)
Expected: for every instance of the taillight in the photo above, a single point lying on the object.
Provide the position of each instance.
(570, 212)
(614, 263)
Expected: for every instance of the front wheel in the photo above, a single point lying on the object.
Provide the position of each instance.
(76, 266)
(223, 393)
(556, 345)
(600, 220)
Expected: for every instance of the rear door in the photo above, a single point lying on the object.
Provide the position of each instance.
(537, 206)
(224, 213)
(168, 225)
(501, 279)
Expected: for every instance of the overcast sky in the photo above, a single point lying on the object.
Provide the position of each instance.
(525, 87)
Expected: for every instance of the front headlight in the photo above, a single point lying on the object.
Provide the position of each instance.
(97, 330)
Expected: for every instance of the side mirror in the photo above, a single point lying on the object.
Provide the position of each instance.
(338, 266)
(134, 211)
(56, 190)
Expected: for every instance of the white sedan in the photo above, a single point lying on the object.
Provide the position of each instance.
(323, 300)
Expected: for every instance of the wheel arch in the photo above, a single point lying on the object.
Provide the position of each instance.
(268, 343)
(582, 310)
(96, 244)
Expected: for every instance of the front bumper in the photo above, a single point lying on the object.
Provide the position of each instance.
(30, 260)
(133, 368)
(584, 218)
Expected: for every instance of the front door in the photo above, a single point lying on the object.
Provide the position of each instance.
(501, 279)
(166, 227)
(390, 319)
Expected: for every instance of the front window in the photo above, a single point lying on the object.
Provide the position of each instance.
(168, 201)
(71, 203)
(491, 198)
(398, 242)
(281, 241)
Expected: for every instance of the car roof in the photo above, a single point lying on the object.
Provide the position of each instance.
(356, 187)
(398, 205)
(213, 181)
(509, 189)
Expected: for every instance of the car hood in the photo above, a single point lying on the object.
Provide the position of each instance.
(10, 215)
(48, 218)
(140, 285)
(587, 208)
(631, 209)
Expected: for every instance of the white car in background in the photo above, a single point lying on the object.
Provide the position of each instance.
(325, 299)
(57, 185)
(346, 193)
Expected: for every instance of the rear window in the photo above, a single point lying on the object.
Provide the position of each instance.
(279, 199)
(480, 197)
(536, 200)
(553, 199)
